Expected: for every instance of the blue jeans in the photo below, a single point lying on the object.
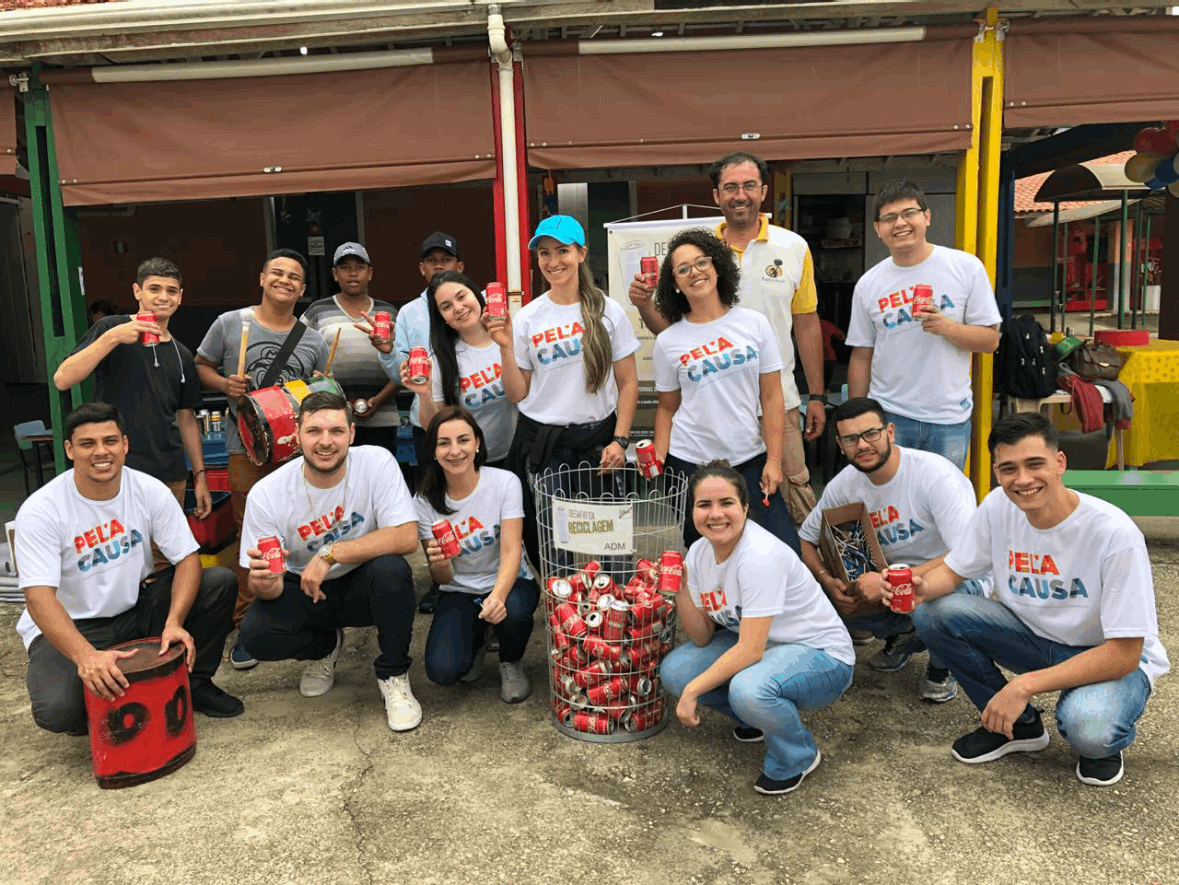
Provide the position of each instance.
(457, 634)
(886, 624)
(947, 440)
(768, 695)
(973, 634)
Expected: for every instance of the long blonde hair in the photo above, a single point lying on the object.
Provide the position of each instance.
(595, 343)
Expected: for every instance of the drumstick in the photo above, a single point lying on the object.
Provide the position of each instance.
(327, 370)
(241, 354)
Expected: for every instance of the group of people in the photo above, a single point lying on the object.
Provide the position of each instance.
(556, 386)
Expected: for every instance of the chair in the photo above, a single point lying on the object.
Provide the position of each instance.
(34, 438)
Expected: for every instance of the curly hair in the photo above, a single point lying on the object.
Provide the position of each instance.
(670, 301)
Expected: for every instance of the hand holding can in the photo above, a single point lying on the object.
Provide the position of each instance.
(495, 299)
(448, 544)
(900, 582)
(270, 549)
(922, 298)
(419, 365)
(147, 339)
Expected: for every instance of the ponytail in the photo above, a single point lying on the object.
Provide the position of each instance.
(595, 342)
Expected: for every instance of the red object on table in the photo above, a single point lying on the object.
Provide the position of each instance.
(1122, 337)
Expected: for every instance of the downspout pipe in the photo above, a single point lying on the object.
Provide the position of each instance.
(502, 53)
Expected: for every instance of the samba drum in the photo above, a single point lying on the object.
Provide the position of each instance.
(148, 732)
(267, 419)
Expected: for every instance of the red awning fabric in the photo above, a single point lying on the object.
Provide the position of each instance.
(1106, 70)
(602, 111)
(8, 133)
(201, 139)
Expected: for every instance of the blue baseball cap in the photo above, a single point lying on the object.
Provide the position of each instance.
(562, 228)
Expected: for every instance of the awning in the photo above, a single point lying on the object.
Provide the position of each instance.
(147, 142)
(1078, 213)
(1089, 181)
(604, 111)
(8, 133)
(1104, 70)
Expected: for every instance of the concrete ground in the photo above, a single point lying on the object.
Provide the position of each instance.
(320, 791)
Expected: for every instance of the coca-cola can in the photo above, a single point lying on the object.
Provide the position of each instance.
(640, 685)
(444, 534)
(148, 339)
(593, 673)
(642, 611)
(271, 550)
(495, 300)
(649, 268)
(569, 621)
(382, 324)
(922, 297)
(419, 365)
(597, 647)
(671, 571)
(593, 619)
(614, 627)
(644, 631)
(592, 723)
(584, 579)
(604, 692)
(642, 719)
(604, 602)
(645, 571)
(648, 459)
(900, 580)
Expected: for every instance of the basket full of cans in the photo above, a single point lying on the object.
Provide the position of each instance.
(610, 616)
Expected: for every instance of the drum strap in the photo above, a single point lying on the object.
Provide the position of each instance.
(284, 354)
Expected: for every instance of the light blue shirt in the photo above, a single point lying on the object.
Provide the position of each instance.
(412, 330)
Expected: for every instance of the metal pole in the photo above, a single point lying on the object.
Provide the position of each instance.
(1123, 285)
(1136, 279)
(1064, 251)
(1093, 276)
(1056, 287)
(1146, 265)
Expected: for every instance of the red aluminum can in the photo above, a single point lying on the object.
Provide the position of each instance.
(922, 297)
(495, 299)
(148, 339)
(649, 268)
(640, 656)
(614, 627)
(648, 459)
(271, 549)
(383, 324)
(641, 720)
(419, 365)
(592, 723)
(642, 611)
(640, 685)
(604, 692)
(444, 535)
(900, 579)
(633, 590)
(560, 640)
(584, 579)
(671, 571)
(645, 571)
(597, 647)
(569, 620)
(592, 674)
(644, 631)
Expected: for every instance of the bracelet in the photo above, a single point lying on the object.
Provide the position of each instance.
(197, 473)
(823, 571)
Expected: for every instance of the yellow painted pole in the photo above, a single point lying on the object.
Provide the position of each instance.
(978, 217)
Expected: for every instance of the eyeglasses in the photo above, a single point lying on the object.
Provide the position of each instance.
(907, 215)
(750, 187)
(701, 264)
(852, 439)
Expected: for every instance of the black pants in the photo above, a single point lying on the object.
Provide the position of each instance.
(54, 685)
(376, 593)
(456, 633)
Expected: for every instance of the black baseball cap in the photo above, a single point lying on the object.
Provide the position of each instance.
(440, 240)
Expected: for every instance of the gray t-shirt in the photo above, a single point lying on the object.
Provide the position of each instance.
(223, 342)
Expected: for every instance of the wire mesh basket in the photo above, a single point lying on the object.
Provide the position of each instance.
(612, 559)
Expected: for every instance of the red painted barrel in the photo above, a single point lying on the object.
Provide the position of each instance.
(267, 419)
(148, 732)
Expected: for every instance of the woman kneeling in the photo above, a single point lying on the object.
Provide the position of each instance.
(782, 648)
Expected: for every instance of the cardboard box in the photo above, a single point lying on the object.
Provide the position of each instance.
(838, 516)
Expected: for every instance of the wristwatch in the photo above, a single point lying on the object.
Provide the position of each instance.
(325, 554)
(622, 441)
(821, 397)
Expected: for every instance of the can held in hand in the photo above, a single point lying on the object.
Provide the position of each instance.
(922, 297)
(444, 535)
(495, 300)
(419, 365)
(648, 460)
(148, 339)
(271, 549)
(649, 268)
(900, 579)
(671, 571)
(382, 324)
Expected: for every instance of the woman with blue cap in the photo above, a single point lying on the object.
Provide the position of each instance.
(568, 360)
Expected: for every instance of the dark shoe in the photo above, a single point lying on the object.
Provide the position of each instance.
(207, 698)
(1104, 772)
(240, 659)
(896, 652)
(747, 734)
(987, 746)
(938, 686)
(429, 603)
(767, 786)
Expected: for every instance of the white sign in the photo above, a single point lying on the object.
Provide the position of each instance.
(315, 246)
(597, 529)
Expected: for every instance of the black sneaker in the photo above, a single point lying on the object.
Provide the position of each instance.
(1104, 772)
(207, 698)
(429, 603)
(896, 652)
(987, 746)
(747, 734)
(767, 786)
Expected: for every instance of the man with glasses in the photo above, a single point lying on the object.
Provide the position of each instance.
(913, 354)
(777, 280)
(919, 505)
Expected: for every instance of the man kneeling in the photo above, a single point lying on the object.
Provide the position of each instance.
(345, 521)
(1075, 611)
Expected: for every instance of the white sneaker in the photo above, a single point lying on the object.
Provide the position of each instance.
(401, 707)
(320, 676)
(514, 684)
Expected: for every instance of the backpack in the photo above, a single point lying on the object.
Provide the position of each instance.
(1024, 366)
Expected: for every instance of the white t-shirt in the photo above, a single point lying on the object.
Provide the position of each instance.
(95, 553)
(763, 578)
(371, 496)
(548, 343)
(916, 373)
(919, 514)
(1079, 583)
(476, 523)
(717, 368)
(481, 392)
